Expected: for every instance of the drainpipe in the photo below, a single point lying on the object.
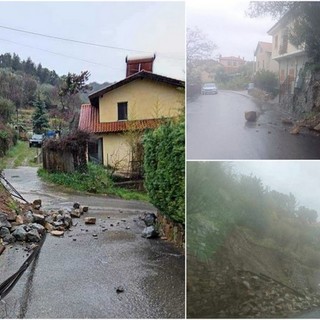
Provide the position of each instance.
(279, 81)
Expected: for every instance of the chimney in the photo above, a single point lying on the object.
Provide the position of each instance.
(139, 63)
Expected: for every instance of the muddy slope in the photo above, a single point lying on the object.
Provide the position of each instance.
(250, 280)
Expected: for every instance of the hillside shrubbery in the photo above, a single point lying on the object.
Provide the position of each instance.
(164, 167)
(218, 201)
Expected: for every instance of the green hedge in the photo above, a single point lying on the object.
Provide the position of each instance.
(164, 168)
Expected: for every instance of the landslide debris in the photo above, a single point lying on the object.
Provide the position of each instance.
(247, 280)
(28, 222)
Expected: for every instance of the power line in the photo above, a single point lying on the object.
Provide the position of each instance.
(59, 54)
(84, 42)
(72, 40)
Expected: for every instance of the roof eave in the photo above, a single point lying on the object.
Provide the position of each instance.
(138, 75)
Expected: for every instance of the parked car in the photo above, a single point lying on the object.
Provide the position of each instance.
(36, 140)
(250, 87)
(209, 88)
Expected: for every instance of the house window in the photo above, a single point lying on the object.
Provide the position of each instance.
(122, 111)
(276, 42)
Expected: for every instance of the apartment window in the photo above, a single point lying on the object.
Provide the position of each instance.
(122, 110)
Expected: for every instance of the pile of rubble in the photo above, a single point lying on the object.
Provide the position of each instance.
(261, 296)
(33, 222)
(230, 293)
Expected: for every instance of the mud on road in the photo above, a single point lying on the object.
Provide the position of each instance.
(77, 276)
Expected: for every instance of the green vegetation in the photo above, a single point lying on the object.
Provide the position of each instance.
(267, 81)
(164, 167)
(306, 27)
(95, 180)
(237, 81)
(219, 201)
(19, 155)
(40, 120)
(199, 48)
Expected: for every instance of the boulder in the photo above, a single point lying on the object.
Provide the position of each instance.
(317, 127)
(38, 218)
(67, 220)
(57, 233)
(12, 216)
(85, 209)
(19, 219)
(150, 219)
(295, 130)
(76, 205)
(48, 226)
(20, 233)
(250, 115)
(33, 236)
(40, 228)
(4, 231)
(75, 213)
(37, 204)
(57, 224)
(9, 238)
(150, 232)
(4, 221)
(90, 220)
(28, 217)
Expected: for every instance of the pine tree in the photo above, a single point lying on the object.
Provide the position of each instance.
(40, 119)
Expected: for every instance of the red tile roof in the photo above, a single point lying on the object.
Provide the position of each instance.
(89, 121)
(266, 46)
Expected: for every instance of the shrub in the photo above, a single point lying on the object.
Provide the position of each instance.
(7, 109)
(164, 167)
(267, 81)
(96, 180)
(8, 138)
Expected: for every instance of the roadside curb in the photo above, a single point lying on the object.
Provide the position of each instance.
(242, 94)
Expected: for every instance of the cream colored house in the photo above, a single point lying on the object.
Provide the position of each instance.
(291, 59)
(263, 56)
(121, 112)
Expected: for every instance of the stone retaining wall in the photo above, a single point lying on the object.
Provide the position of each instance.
(172, 231)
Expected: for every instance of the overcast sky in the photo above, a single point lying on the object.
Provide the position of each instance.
(143, 26)
(226, 24)
(301, 178)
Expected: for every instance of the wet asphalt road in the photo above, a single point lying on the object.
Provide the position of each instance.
(217, 129)
(76, 276)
